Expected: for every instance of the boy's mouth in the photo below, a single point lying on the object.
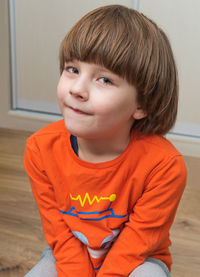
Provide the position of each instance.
(79, 111)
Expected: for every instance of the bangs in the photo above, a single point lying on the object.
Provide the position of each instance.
(104, 40)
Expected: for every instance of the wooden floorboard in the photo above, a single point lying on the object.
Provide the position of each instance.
(21, 236)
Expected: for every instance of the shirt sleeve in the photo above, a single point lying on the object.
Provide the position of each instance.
(71, 255)
(147, 230)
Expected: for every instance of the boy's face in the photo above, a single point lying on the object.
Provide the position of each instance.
(95, 102)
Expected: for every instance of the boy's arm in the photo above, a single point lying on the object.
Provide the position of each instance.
(71, 255)
(149, 223)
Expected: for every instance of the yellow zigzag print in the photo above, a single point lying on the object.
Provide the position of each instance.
(112, 198)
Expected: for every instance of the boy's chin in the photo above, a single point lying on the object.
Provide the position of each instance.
(79, 132)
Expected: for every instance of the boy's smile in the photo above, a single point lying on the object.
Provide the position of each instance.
(79, 111)
(95, 102)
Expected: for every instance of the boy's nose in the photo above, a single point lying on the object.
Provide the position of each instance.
(80, 90)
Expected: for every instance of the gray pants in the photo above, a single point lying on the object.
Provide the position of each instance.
(46, 267)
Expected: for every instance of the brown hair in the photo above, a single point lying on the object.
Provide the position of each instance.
(135, 48)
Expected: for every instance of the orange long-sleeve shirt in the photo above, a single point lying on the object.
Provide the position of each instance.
(106, 217)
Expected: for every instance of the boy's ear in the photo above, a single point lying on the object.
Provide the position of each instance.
(139, 113)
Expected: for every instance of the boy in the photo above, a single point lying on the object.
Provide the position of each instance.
(106, 182)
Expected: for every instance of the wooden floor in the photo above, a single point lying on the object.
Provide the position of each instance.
(21, 237)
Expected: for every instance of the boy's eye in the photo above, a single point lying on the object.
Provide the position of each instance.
(72, 69)
(105, 80)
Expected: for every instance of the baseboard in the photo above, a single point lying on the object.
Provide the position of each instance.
(187, 145)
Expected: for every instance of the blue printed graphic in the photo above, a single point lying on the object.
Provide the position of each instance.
(94, 216)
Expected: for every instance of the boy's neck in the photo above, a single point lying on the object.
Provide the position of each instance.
(101, 150)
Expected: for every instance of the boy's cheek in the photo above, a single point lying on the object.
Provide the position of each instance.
(61, 91)
(61, 87)
(102, 106)
(58, 91)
